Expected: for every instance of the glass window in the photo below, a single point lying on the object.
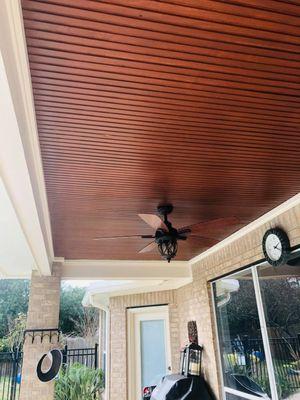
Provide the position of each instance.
(153, 351)
(240, 339)
(280, 289)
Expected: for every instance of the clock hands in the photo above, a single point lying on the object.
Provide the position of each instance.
(276, 247)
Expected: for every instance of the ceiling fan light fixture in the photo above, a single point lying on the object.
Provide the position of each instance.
(168, 249)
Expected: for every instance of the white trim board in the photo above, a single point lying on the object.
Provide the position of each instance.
(14, 52)
(124, 269)
(16, 179)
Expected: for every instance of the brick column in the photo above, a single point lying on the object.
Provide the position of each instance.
(43, 312)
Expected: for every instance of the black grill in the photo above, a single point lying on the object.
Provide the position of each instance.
(177, 387)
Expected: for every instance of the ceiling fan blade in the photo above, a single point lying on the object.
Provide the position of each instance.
(151, 246)
(125, 237)
(210, 225)
(204, 241)
(154, 221)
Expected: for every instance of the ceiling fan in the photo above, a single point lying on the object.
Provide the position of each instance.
(166, 236)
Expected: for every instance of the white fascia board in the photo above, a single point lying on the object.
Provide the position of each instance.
(14, 53)
(124, 269)
(269, 216)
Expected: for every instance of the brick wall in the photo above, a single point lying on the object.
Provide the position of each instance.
(43, 312)
(193, 302)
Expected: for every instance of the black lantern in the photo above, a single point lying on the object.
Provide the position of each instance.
(167, 248)
(190, 360)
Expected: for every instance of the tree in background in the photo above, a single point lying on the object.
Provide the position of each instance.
(15, 336)
(14, 297)
(88, 325)
(71, 309)
(14, 294)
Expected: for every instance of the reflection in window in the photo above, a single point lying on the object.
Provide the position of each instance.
(280, 288)
(230, 396)
(241, 345)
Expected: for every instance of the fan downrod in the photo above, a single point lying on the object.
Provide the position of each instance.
(164, 209)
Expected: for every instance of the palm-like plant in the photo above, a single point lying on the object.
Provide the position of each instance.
(78, 382)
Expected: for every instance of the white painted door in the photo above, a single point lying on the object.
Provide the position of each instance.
(148, 348)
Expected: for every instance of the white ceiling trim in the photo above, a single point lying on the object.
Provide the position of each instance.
(124, 269)
(268, 217)
(14, 52)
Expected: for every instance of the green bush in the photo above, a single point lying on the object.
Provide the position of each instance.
(78, 382)
(4, 345)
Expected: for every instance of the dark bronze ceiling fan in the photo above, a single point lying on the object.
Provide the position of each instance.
(166, 236)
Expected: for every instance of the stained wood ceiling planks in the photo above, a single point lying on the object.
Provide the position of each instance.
(140, 102)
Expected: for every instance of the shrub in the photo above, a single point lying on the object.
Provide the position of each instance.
(78, 382)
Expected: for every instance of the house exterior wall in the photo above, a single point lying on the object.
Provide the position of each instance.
(193, 302)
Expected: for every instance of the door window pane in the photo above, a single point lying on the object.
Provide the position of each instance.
(240, 339)
(153, 351)
(280, 288)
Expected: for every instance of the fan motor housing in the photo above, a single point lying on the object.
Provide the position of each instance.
(165, 209)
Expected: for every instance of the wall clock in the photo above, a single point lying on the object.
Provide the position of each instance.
(276, 246)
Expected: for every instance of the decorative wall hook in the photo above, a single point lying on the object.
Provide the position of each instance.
(42, 333)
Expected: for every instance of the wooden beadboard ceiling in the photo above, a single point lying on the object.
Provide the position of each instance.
(139, 102)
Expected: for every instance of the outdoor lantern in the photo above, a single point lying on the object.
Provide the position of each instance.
(190, 360)
(167, 248)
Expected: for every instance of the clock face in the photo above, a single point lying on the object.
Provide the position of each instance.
(273, 247)
(276, 246)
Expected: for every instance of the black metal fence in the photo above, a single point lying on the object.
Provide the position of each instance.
(11, 368)
(85, 356)
(246, 356)
(10, 375)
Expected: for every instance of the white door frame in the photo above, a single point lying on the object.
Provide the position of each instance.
(134, 317)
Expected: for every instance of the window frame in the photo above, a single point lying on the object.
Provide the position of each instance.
(263, 326)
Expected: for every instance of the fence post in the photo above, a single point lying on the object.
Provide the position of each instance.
(96, 355)
(246, 345)
(13, 387)
(65, 355)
